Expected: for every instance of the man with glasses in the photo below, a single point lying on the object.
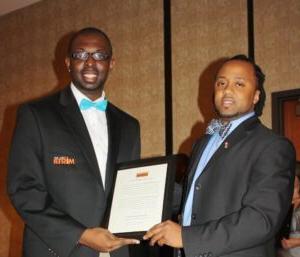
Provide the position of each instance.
(63, 158)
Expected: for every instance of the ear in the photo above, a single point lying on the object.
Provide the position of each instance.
(112, 63)
(256, 97)
(67, 62)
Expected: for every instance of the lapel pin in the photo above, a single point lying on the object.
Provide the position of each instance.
(226, 145)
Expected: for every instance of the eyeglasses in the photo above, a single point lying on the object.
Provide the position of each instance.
(83, 56)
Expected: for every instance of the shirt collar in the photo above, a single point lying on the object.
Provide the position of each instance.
(236, 122)
(79, 96)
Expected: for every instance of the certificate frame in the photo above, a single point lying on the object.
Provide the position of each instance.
(169, 182)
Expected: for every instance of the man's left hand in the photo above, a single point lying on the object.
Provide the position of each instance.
(165, 233)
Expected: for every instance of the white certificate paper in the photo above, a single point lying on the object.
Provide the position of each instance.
(138, 198)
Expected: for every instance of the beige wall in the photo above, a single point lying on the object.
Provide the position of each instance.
(33, 42)
(277, 46)
(202, 33)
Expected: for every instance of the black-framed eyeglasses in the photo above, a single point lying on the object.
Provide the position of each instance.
(97, 56)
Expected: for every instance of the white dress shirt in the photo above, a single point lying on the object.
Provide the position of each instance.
(96, 124)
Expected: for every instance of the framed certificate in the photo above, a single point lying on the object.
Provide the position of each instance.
(142, 196)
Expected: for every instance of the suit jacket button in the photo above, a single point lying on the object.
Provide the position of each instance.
(193, 216)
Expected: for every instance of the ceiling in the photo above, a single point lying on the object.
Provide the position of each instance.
(7, 6)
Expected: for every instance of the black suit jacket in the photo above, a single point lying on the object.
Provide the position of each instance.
(54, 180)
(242, 195)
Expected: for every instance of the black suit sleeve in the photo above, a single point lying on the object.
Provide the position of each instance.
(27, 188)
(264, 207)
(136, 150)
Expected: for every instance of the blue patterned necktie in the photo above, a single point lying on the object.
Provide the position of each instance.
(217, 126)
(86, 104)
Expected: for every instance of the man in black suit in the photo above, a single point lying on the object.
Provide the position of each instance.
(63, 157)
(240, 179)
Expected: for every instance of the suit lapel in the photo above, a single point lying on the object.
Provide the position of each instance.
(236, 136)
(113, 145)
(199, 148)
(74, 120)
(195, 158)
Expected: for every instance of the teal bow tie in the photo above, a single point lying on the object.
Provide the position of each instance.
(87, 104)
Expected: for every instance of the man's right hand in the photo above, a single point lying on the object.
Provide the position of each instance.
(102, 240)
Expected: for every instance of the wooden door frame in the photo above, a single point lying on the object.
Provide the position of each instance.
(277, 107)
(277, 110)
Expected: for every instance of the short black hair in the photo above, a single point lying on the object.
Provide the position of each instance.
(90, 30)
(260, 79)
